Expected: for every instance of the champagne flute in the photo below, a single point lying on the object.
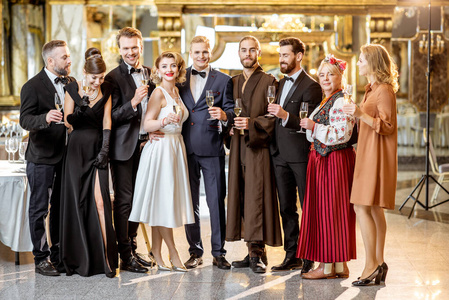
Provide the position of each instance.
(238, 111)
(271, 94)
(8, 149)
(58, 105)
(210, 101)
(22, 150)
(348, 94)
(145, 76)
(303, 113)
(84, 86)
(13, 147)
(177, 109)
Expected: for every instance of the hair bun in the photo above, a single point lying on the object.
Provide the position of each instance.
(92, 53)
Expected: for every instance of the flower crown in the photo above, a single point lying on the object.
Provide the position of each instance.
(330, 58)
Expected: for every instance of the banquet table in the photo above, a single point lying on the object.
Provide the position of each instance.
(405, 134)
(14, 202)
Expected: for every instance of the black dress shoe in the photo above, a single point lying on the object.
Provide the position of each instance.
(256, 264)
(221, 262)
(194, 261)
(307, 265)
(46, 268)
(288, 264)
(244, 263)
(143, 260)
(132, 265)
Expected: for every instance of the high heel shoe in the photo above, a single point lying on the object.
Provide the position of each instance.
(384, 271)
(163, 268)
(376, 276)
(178, 269)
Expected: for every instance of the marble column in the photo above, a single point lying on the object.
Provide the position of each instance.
(4, 65)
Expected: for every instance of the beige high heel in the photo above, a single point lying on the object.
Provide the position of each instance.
(178, 269)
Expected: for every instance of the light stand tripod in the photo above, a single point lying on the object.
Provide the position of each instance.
(425, 177)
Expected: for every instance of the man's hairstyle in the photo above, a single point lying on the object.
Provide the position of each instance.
(200, 39)
(47, 49)
(297, 45)
(129, 32)
(250, 37)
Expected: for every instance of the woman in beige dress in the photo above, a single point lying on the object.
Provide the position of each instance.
(374, 184)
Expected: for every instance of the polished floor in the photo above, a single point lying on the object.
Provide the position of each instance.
(417, 252)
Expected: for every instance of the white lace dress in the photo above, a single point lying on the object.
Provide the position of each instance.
(162, 191)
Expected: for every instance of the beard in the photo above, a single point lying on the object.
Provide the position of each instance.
(248, 64)
(61, 71)
(290, 67)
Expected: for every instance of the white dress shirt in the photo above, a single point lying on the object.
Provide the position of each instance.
(58, 86)
(197, 83)
(137, 77)
(285, 90)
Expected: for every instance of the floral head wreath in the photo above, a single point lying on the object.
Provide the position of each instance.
(341, 64)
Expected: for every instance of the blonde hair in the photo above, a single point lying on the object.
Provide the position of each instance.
(179, 62)
(252, 38)
(334, 68)
(381, 65)
(200, 39)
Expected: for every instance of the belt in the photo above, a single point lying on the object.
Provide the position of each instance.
(143, 137)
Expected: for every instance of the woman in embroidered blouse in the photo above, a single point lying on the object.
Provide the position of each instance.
(327, 233)
(376, 166)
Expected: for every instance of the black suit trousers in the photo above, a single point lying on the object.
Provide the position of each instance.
(123, 178)
(45, 185)
(290, 176)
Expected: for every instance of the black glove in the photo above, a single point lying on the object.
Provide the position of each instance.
(78, 111)
(84, 103)
(101, 162)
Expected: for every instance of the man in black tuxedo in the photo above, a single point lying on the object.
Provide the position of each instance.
(204, 145)
(39, 116)
(129, 103)
(289, 149)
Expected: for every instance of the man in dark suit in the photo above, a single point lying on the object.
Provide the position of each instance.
(289, 149)
(205, 152)
(39, 116)
(129, 102)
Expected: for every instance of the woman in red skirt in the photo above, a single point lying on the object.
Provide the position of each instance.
(327, 232)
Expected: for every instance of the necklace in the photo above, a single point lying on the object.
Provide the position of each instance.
(94, 95)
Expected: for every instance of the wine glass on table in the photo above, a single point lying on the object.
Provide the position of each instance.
(22, 150)
(177, 109)
(8, 149)
(58, 105)
(2, 129)
(210, 101)
(347, 92)
(271, 94)
(303, 113)
(238, 111)
(13, 147)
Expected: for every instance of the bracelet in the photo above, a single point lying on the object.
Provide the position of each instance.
(162, 123)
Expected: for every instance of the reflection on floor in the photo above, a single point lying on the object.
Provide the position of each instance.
(416, 252)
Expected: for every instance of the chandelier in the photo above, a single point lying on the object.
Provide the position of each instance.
(436, 44)
(289, 23)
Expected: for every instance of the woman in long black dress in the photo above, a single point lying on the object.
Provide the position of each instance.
(88, 242)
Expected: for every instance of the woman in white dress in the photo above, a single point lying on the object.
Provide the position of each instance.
(162, 193)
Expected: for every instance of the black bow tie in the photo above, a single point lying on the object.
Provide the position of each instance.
(202, 73)
(289, 78)
(132, 70)
(63, 80)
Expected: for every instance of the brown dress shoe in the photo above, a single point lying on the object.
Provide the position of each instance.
(318, 273)
(345, 273)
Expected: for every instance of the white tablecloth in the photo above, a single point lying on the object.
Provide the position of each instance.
(14, 202)
(405, 134)
(442, 130)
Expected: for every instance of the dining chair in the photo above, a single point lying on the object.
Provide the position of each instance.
(442, 171)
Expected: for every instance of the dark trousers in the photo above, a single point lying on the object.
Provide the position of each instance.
(290, 176)
(255, 249)
(213, 168)
(123, 179)
(45, 188)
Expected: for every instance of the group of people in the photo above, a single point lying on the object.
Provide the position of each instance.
(159, 140)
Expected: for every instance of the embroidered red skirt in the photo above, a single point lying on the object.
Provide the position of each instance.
(327, 232)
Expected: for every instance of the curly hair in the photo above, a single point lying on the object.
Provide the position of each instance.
(381, 65)
(179, 62)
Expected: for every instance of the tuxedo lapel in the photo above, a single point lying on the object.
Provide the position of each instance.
(190, 102)
(47, 82)
(130, 81)
(295, 85)
(279, 93)
(207, 86)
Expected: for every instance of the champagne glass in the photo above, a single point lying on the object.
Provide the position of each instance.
(303, 113)
(348, 94)
(22, 150)
(13, 147)
(3, 129)
(84, 86)
(177, 109)
(238, 111)
(58, 105)
(145, 76)
(8, 149)
(271, 94)
(210, 100)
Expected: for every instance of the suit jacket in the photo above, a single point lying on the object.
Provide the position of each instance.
(47, 141)
(201, 136)
(125, 120)
(287, 143)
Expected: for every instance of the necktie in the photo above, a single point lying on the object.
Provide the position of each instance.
(62, 79)
(289, 78)
(132, 70)
(202, 73)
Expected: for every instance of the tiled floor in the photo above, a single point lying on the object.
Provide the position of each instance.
(417, 252)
